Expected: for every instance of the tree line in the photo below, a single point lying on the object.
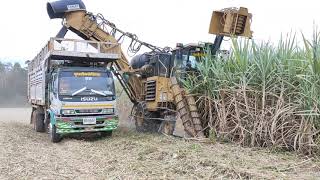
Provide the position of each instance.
(13, 85)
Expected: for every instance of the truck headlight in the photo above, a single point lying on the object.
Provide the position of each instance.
(68, 112)
(107, 111)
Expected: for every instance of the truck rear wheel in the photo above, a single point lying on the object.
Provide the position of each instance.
(54, 137)
(38, 121)
(145, 120)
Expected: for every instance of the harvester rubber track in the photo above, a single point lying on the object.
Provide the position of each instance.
(187, 109)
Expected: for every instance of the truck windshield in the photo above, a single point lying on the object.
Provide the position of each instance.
(86, 83)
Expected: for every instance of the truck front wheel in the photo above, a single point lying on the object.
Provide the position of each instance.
(106, 133)
(54, 137)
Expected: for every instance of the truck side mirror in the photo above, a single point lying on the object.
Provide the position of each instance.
(54, 85)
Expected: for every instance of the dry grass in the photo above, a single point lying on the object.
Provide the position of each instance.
(25, 154)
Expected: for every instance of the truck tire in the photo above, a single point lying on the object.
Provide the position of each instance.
(38, 121)
(47, 123)
(54, 137)
(143, 119)
(31, 116)
(106, 134)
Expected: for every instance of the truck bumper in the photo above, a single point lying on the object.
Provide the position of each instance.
(70, 125)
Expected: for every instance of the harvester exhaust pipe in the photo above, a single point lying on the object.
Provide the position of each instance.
(57, 9)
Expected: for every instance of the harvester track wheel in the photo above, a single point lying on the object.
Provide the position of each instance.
(54, 136)
(38, 121)
(145, 120)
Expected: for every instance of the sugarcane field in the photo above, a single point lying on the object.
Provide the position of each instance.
(160, 90)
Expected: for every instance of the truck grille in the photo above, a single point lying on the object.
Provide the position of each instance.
(81, 111)
(150, 89)
(81, 123)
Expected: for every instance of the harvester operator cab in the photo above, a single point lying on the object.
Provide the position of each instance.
(186, 58)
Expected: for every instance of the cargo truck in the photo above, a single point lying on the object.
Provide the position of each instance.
(71, 89)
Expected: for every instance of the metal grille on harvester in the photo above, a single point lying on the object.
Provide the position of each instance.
(151, 90)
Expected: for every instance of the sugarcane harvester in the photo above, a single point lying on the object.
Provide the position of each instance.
(150, 79)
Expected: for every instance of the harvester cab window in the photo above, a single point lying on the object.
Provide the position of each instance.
(178, 59)
(194, 57)
(192, 61)
(184, 58)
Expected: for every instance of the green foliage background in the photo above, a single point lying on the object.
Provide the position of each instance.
(13, 85)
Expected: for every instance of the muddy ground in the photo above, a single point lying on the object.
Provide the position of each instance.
(25, 154)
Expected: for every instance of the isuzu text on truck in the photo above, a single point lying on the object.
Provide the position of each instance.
(71, 89)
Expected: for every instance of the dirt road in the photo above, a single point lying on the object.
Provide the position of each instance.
(25, 154)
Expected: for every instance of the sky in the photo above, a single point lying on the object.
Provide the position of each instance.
(26, 27)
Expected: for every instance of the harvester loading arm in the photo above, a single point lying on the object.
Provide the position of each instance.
(86, 25)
